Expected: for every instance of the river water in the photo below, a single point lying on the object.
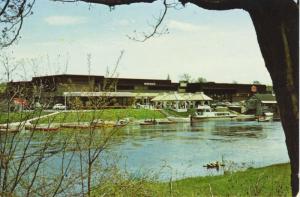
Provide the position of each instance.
(183, 149)
(166, 151)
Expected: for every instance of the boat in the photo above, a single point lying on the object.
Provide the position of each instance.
(122, 122)
(166, 122)
(244, 117)
(76, 126)
(204, 112)
(216, 165)
(44, 129)
(149, 122)
(266, 117)
(179, 119)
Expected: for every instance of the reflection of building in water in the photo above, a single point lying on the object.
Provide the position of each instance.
(260, 103)
(126, 90)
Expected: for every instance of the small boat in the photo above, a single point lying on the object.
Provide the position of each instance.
(149, 122)
(166, 122)
(122, 122)
(205, 112)
(179, 119)
(44, 129)
(246, 117)
(77, 126)
(216, 165)
(266, 117)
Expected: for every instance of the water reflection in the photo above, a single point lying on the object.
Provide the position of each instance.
(186, 148)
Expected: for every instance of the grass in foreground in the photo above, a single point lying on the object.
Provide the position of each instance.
(267, 181)
(106, 114)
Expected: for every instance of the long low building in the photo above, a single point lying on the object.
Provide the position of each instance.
(52, 88)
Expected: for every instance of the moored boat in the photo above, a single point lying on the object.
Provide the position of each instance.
(266, 117)
(149, 122)
(244, 117)
(205, 112)
(179, 119)
(166, 122)
(44, 129)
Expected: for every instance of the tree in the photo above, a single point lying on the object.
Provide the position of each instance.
(168, 77)
(256, 82)
(201, 80)
(12, 14)
(186, 77)
(276, 23)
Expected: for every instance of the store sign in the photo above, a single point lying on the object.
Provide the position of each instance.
(149, 84)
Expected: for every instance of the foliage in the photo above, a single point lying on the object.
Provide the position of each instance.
(186, 77)
(12, 14)
(201, 80)
(267, 181)
(2, 88)
(106, 114)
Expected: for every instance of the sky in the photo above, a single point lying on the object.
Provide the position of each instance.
(220, 46)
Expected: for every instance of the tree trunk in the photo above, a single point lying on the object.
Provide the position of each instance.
(277, 28)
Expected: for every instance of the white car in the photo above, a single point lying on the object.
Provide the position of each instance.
(60, 106)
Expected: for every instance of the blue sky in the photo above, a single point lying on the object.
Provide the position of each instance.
(220, 46)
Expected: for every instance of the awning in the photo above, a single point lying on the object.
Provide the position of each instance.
(109, 94)
(269, 102)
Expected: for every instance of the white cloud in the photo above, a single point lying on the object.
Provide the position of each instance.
(65, 20)
(183, 26)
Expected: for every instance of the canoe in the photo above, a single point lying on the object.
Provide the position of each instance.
(44, 129)
(166, 122)
(148, 123)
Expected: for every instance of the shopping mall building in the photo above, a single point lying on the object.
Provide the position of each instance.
(122, 91)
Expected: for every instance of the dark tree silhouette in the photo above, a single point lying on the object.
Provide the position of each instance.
(12, 14)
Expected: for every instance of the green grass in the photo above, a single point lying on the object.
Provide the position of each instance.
(267, 181)
(106, 114)
(19, 116)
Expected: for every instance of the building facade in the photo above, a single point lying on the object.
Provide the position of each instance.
(53, 89)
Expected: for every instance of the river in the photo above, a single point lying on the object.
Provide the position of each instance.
(170, 151)
(183, 148)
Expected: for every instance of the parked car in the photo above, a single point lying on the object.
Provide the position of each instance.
(59, 106)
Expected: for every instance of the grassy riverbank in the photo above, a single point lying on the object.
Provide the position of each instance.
(106, 114)
(20, 116)
(267, 181)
